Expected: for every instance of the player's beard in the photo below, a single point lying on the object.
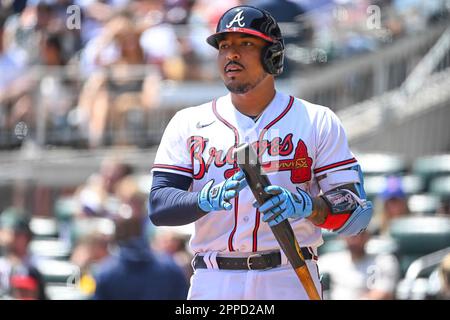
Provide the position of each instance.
(242, 88)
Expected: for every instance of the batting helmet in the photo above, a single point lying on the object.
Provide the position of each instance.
(256, 22)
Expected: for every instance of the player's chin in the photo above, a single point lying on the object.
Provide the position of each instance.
(238, 87)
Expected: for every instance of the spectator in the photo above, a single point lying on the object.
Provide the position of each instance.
(24, 30)
(395, 204)
(19, 276)
(95, 14)
(12, 84)
(97, 197)
(356, 275)
(109, 97)
(174, 244)
(50, 90)
(203, 19)
(88, 253)
(162, 48)
(25, 287)
(137, 273)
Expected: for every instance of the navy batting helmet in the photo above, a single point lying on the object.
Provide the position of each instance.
(258, 23)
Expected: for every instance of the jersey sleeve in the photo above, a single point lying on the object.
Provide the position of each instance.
(173, 155)
(333, 152)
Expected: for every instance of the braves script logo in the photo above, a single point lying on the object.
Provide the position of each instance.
(299, 165)
(237, 18)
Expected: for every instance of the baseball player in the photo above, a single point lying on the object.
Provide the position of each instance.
(316, 181)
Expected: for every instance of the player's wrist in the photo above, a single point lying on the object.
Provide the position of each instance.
(204, 206)
(304, 204)
(319, 211)
(203, 202)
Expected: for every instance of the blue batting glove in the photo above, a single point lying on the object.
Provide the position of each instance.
(215, 198)
(285, 204)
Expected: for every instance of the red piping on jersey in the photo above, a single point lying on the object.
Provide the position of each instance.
(286, 110)
(165, 166)
(236, 214)
(255, 231)
(236, 143)
(334, 165)
(261, 136)
(229, 125)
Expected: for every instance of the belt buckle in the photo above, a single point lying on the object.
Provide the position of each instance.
(249, 263)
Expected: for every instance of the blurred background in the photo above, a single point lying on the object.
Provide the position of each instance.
(87, 88)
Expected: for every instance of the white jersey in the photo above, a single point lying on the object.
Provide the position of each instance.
(297, 141)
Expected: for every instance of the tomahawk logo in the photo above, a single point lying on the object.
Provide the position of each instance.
(237, 18)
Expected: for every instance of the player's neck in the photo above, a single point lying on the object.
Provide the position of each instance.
(256, 100)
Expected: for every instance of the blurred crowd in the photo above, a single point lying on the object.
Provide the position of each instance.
(112, 250)
(98, 243)
(86, 68)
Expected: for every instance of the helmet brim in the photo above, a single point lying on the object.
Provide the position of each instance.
(213, 39)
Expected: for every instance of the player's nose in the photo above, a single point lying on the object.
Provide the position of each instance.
(233, 54)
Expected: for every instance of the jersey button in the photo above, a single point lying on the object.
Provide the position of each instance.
(246, 219)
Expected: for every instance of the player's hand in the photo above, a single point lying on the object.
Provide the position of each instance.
(215, 198)
(284, 204)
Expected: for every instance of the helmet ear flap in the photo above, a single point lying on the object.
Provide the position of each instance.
(272, 56)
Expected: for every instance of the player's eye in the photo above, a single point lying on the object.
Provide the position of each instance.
(223, 45)
(246, 43)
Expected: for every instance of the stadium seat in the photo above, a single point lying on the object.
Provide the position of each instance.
(381, 245)
(373, 185)
(88, 226)
(63, 292)
(411, 184)
(423, 204)
(58, 272)
(332, 243)
(44, 228)
(65, 208)
(419, 236)
(51, 249)
(432, 165)
(381, 164)
(440, 186)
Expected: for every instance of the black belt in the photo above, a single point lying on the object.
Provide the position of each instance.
(255, 261)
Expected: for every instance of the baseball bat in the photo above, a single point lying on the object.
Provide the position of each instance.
(257, 180)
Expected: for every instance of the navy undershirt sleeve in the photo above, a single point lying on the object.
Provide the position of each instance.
(170, 204)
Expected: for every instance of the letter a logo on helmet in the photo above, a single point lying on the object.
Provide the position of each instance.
(237, 18)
